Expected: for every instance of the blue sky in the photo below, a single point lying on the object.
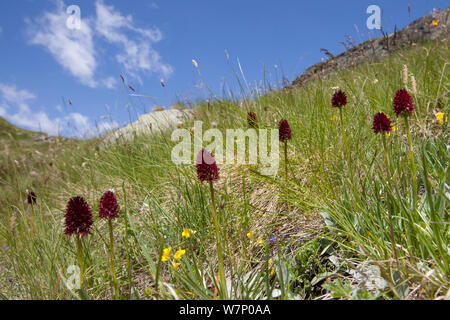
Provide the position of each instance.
(44, 64)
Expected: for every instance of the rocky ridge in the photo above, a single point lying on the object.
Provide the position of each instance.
(435, 26)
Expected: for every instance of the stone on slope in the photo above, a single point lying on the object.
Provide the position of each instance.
(149, 124)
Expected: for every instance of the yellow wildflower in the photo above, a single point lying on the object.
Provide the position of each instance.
(394, 131)
(375, 81)
(179, 253)
(186, 233)
(440, 117)
(335, 118)
(166, 254)
(272, 269)
(175, 264)
(435, 22)
(260, 241)
(250, 234)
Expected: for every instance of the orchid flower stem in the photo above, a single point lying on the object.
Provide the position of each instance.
(391, 223)
(413, 164)
(286, 159)
(219, 247)
(80, 260)
(113, 272)
(127, 244)
(349, 162)
(414, 183)
(244, 225)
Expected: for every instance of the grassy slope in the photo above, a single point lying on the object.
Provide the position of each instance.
(8, 131)
(161, 199)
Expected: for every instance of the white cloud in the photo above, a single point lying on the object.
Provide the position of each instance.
(73, 49)
(110, 82)
(14, 107)
(80, 120)
(107, 126)
(11, 94)
(137, 55)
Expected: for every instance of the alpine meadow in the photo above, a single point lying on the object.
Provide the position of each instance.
(357, 206)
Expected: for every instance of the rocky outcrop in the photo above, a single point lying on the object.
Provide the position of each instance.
(150, 123)
(434, 26)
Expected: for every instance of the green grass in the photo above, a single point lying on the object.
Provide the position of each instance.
(311, 257)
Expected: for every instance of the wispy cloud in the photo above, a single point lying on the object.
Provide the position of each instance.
(15, 96)
(137, 54)
(14, 107)
(110, 82)
(107, 126)
(73, 49)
